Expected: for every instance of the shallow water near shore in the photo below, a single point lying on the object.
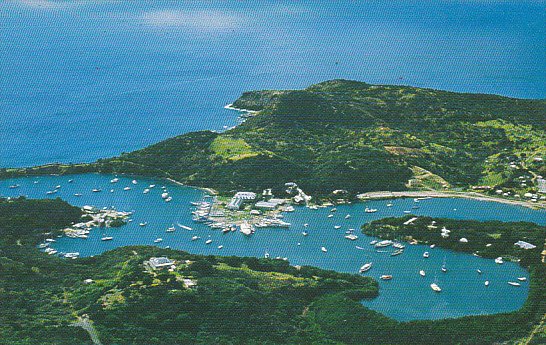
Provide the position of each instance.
(407, 297)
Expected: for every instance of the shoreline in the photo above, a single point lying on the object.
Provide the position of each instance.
(439, 194)
(231, 107)
(206, 189)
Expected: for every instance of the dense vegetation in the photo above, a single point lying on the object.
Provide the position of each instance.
(354, 136)
(488, 239)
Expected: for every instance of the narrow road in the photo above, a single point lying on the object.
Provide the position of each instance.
(87, 325)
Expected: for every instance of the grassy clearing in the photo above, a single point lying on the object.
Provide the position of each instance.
(232, 148)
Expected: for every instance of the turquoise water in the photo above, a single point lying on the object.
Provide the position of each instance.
(406, 297)
(82, 80)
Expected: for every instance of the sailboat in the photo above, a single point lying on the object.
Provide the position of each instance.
(444, 268)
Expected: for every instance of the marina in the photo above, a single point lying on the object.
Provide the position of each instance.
(301, 242)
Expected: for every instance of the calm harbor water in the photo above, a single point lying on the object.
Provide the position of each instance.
(406, 297)
(82, 80)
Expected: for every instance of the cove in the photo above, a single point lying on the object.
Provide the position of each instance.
(406, 297)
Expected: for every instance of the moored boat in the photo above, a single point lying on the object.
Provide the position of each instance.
(435, 287)
(366, 267)
(386, 277)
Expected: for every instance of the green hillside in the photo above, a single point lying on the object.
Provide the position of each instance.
(358, 137)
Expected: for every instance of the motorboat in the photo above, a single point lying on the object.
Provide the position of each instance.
(398, 246)
(499, 260)
(208, 241)
(522, 279)
(220, 247)
(330, 216)
(365, 267)
(184, 226)
(96, 190)
(351, 237)
(157, 240)
(370, 210)
(143, 224)
(348, 216)
(324, 250)
(127, 188)
(107, 238)
(146, 191)
(422, 273)
(373, 242)
(171, 229)
(386, 277)
(195, 238)
(486, 283)
(305, 233)
(514, 284)
(384, 243)
(397, 252)
(435, 287)
(134, 182)
(426, 254)
(389, 205)
(432, 246)
(479, 271)
(337, 227)
(114, 180)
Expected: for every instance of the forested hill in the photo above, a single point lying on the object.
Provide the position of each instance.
(358, 137)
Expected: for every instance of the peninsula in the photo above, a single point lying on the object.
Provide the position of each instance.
(355, 137)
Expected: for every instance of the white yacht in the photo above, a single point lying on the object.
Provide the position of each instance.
(184, 226)
(208, 241)
(351, 237)
(514, 284)
(127, 188)
(114, 180)
(422, 273)
(384, 243)
(435, 287)
(426, 254)
(220, 247)
(330, 216)
(522, 279)
(146, 191)
(365, 267)
(143, 224)
(134, 182)
(157, 240)
(337, 227)
(107, 238)
(324, 250)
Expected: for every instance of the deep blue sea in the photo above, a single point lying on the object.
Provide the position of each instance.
(81, 80)
(407, 297)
